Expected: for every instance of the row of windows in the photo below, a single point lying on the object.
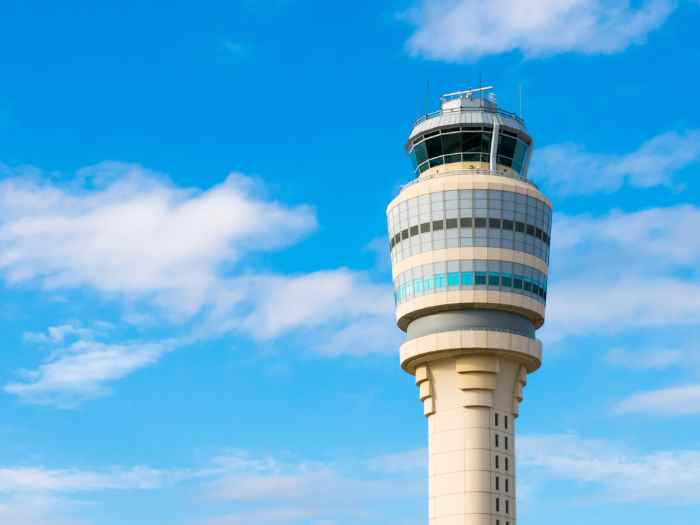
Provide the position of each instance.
(496, 204)
(506, 282)
(470, 223)
(482, 239)
(464, 144)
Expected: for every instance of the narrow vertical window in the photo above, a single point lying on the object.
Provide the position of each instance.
(498, 504)
(495, 419)
(505, 421)
(497, 483)
(507, 507)
(496, 438)
(507, 484)
(505, 439)
(506, 464)
(497, 462)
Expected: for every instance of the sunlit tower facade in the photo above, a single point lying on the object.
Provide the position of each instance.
(469, 241)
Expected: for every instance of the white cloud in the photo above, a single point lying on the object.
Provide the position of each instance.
(621, 475)
(407, 461)
(678, 400)
(568, 169)
(81, 370)
(466, 30)
(125, 231)
(609, 274)
(32, 479)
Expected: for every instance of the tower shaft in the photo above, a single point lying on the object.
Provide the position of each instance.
(470, 249)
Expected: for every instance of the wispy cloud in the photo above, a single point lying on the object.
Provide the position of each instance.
(79, 366)
(615, 473)
(624, 270)
(568, 169)
(672, 401)
(466, 30)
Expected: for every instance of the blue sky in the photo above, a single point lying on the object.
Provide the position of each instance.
(196, 306)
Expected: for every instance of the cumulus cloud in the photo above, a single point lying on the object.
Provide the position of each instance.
(466, 30)
(617, 473)
(123, 230)
(568, 169)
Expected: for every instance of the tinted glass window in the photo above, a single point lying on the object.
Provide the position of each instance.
(465, 222)
(519, 156)
(451, 223)
(480, 223)
(421, 152)
(434, 146)
(425, 227)
(451, 143)
(437, 225)
(471, 142)
(506, 146)
(414, 230)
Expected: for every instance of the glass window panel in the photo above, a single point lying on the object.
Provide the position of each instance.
(480, 278)
(414, 230)
(467, 279)
(440, 280)
(518, 282)
(486, 144)
(453, 158)
(451, 143)
(495, 223)
(438, 161)
(438, 225)
(453, 279)
(428, 284)
(494, 279)
(519, 156)
(465, 222)
(418, 286)
(434, 146)
(480, 222)
(506, 146)
(505, 161)
(421, 152)
(404, 234)
(425, 227)
(471, 142)
(451, 223)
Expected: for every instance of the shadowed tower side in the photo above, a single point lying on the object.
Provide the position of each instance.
(469, 242)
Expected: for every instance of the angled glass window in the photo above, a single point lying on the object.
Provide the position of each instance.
(465, 222)
(421, 153)
(506, 146)
(480, 278)
(434, 146)
(438, 225)
(428, 284)
(518, 282)
(494, 279)
(451, 223)
(451, 143)
(404, 234)
(425, 227)
(480, 222)
(414, 230)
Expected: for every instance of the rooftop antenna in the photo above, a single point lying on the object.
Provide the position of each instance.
(520, 88)
(427, 96)
(481, 98)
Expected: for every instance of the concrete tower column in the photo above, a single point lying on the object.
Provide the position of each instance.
(470, 249)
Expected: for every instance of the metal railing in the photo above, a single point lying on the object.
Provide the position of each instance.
(498, 111)
(474, 171)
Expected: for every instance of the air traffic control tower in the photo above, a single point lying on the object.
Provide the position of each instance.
(469, 244)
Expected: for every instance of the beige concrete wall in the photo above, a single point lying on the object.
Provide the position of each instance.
(471, 455)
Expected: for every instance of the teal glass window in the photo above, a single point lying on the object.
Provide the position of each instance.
(518, 282)
(453, 279)
(480, 278)
(494, 279)
(440, 280)
(527, 285)
(418, 286)
(506, 280)
(519, 156)
(428, 284)
(467, 279)
(434, 146)
(451, 143)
